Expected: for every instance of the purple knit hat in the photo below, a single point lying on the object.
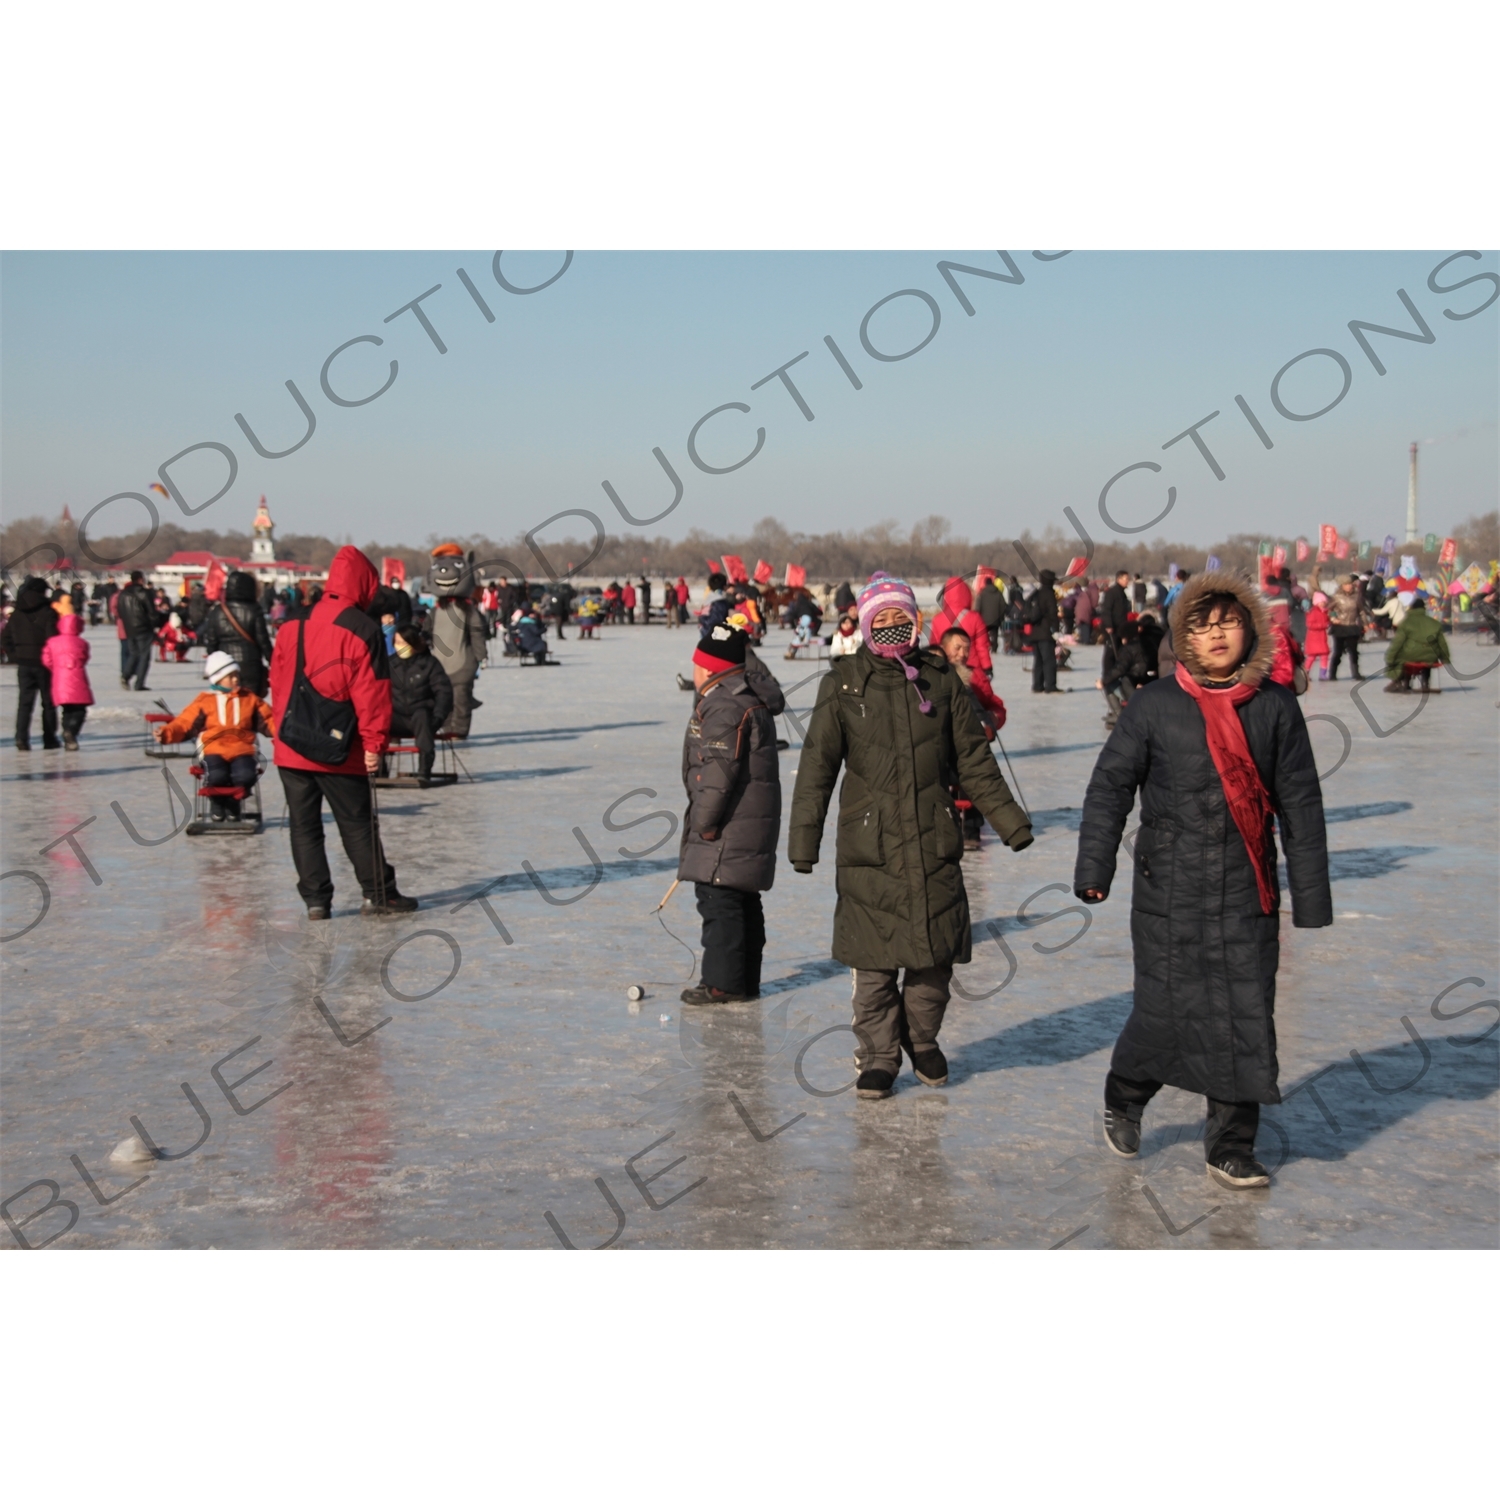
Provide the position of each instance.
(885, 592)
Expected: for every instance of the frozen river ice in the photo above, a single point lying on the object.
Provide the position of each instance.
(475, 1076)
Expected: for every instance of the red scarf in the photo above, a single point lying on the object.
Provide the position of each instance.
(1244, 791)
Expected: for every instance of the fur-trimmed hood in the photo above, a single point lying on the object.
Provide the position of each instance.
(1262, 644)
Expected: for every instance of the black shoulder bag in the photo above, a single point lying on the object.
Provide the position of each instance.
(319, 728)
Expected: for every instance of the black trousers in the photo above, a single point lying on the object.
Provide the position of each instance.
(734, 937)
(1044, 665)
(73, 715)
(138, 661)
(418, 725)
(1344, 645)
(34, 681)
(238, 770)
(1228, 1131)
(349, 800)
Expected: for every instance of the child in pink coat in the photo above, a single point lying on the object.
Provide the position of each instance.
(66, 655)
(1315, 647)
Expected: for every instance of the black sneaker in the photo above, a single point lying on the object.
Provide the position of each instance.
(931, 1067)
(706, 994)
(1239, 1172)
(23, 744)
(1121, 1134)
(51, 744)
(317, 913)
(393, 905)
(216, 812)
(874, 1083)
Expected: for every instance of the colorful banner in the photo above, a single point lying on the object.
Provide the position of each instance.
(1278, 559)
(1364, 548)
(392, 572)
(1449, 555)
(1430, 544)
(213, 584)
(735, 568)
(1341, 548)
(1264, 550)
(763, 571)
(1077, 567)
(1383, 564)
(1213, 564)
(1303, 550)
(796, 578)
(1388, 546)
(1328, 537)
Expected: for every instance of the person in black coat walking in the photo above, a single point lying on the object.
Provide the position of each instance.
(733, 820)
(235, 625)
(1216, 750)
(32, 624)
(137, 612)
(1041, 615)
(1115, 606)
(421, 696)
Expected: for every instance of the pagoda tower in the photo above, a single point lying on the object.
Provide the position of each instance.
(263, 548)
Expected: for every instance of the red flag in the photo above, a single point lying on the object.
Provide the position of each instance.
(1077, 567)
(1302, 550)
(713, 567)
(735, 568)
(1449, 555)
(1341, 548)
(213, 584)
(392, 572)
(1278, 559)
(1328, 538)
(763, 572)
(796, 578)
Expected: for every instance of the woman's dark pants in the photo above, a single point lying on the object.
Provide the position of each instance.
(1228, 1131)
(734, 937)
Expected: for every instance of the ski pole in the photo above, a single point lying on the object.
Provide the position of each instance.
(670, 891)
(375, 836)
(1016, 784)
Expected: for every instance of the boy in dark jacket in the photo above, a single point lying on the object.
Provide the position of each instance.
(32, 624)
(903, 724)
(421, 696)
(733, 820)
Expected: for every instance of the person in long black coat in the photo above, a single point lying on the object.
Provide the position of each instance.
(1205, 914)
(236, 625)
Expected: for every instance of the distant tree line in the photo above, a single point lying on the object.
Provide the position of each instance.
(927, 552)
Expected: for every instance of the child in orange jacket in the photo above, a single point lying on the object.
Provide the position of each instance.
(226, 720)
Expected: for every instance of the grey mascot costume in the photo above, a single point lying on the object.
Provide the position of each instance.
(457, 631)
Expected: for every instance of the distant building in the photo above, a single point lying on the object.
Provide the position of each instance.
(183, 569)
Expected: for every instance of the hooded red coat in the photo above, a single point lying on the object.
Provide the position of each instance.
(958, 612)
(344, 658)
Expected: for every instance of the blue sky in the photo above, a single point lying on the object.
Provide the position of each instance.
(111, 363)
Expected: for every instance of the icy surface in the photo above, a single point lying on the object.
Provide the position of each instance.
(483, 1114)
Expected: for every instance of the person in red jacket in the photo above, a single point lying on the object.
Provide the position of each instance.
(957, 613)
(344, 660)
(1316, 644)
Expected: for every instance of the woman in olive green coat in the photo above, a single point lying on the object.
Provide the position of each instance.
(901, 725)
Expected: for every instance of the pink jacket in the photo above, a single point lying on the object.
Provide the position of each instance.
(64, 655)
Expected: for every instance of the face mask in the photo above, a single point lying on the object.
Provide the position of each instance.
(893, 640)
(404, 649)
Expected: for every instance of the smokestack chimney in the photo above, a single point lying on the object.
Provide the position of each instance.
(1411, 498)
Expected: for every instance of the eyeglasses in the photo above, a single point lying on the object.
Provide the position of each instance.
(1224, 625)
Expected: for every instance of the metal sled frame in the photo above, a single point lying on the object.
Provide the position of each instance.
(453, 769)
(250, 820)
